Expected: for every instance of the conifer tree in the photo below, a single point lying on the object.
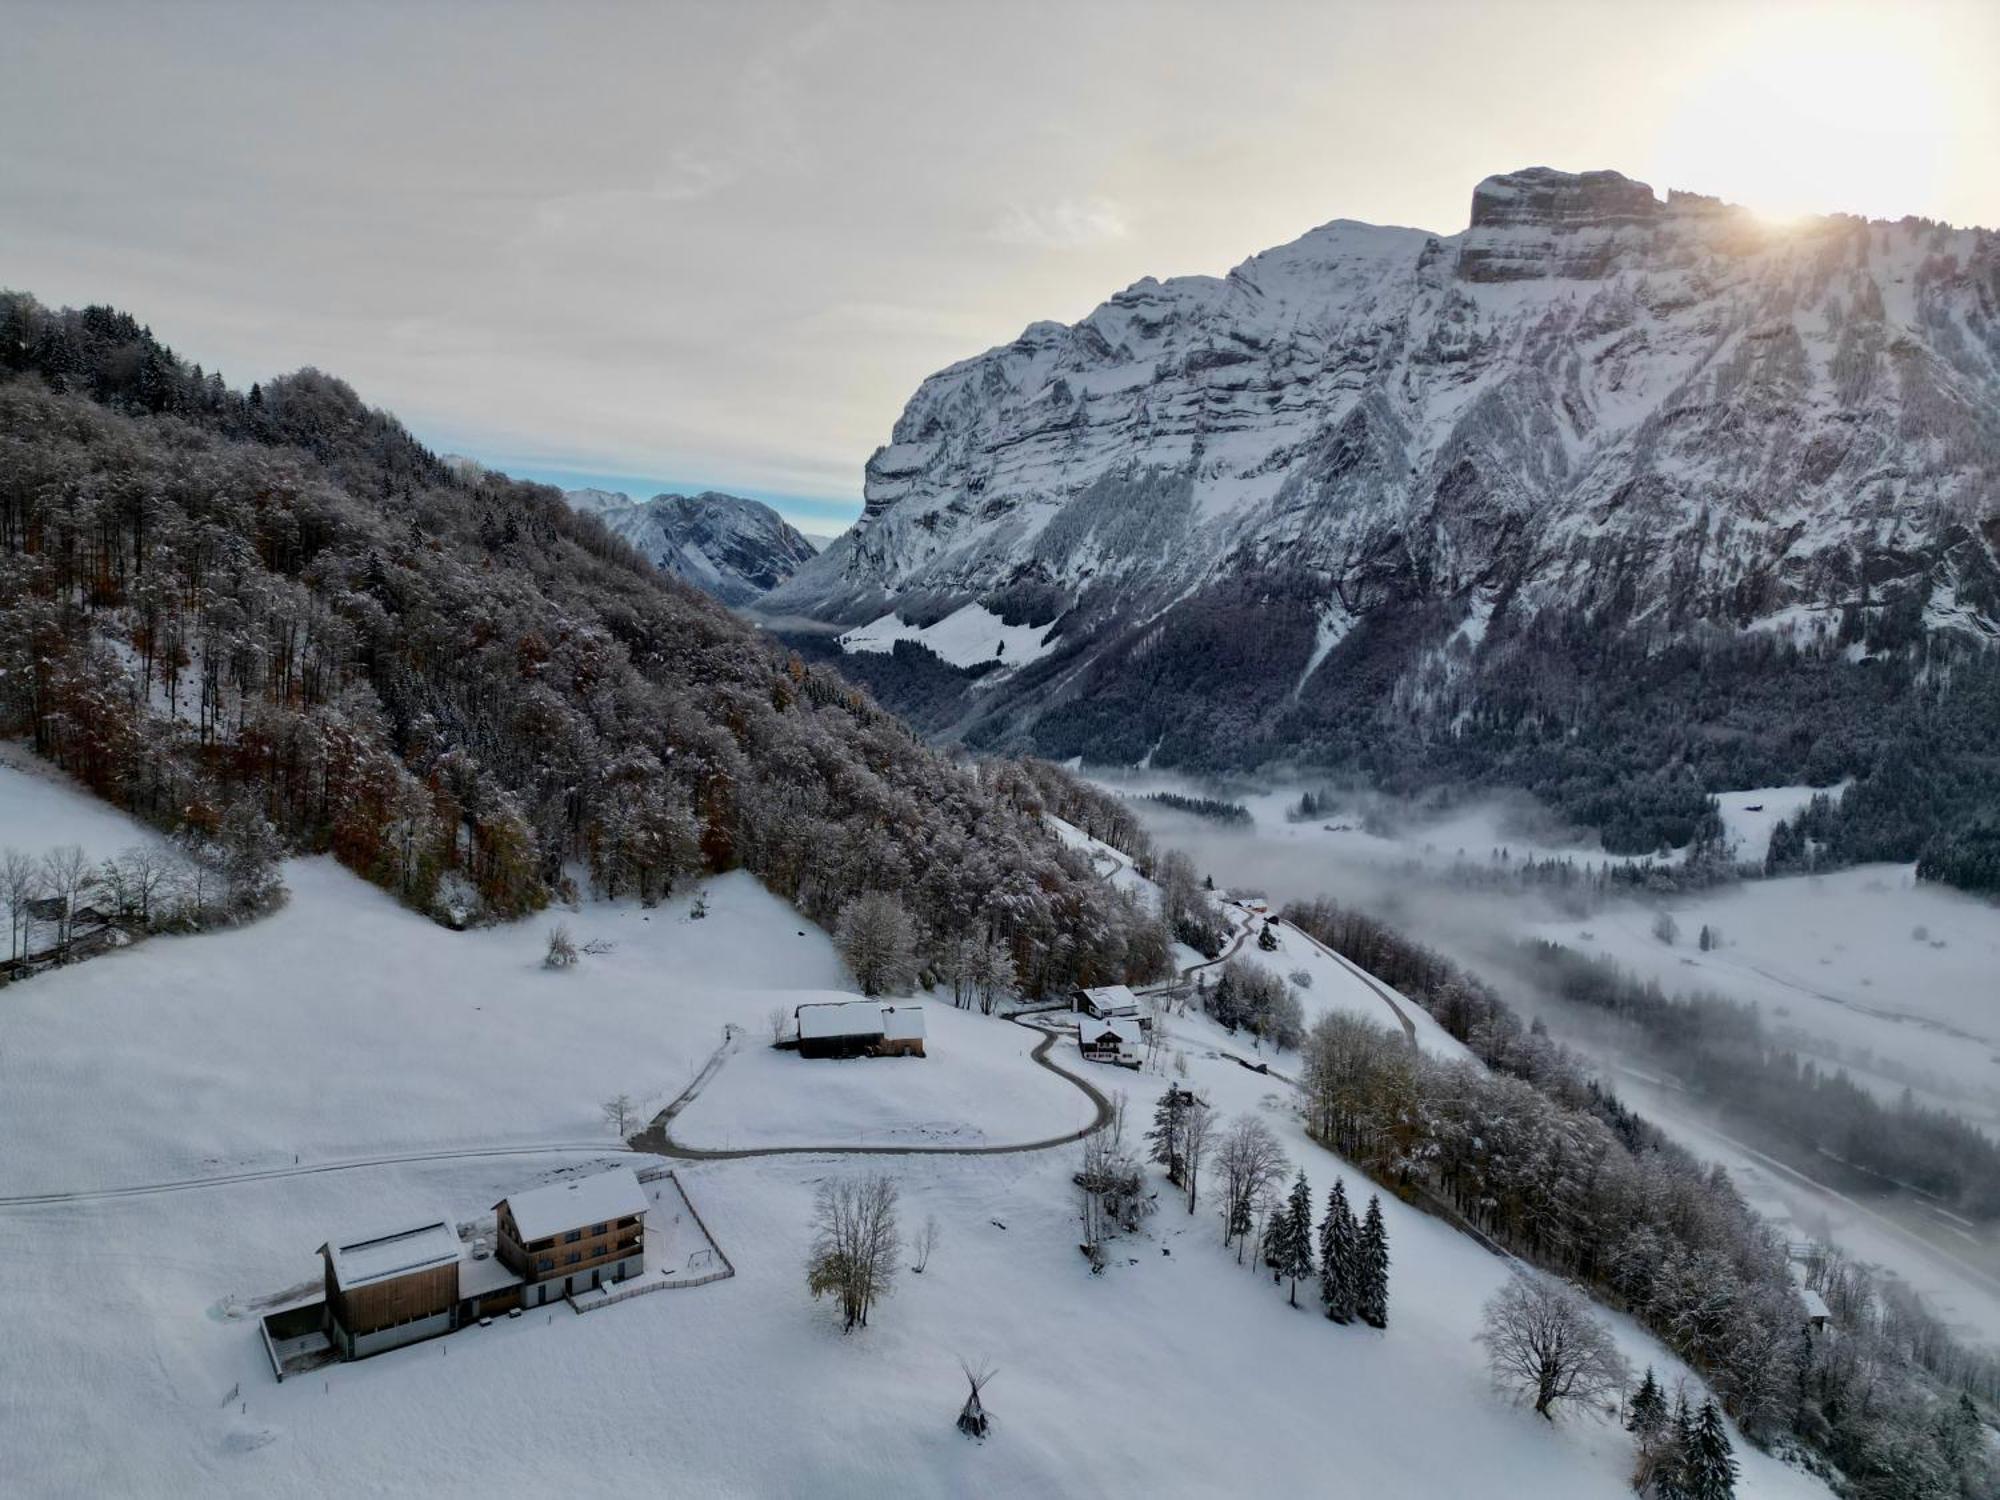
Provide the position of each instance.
(1337, 1246)
(1372, 1279)
(1646, 1420)
(1708, 1466)
(1296, 1244)
(1670, 1462)
(1168, 1129)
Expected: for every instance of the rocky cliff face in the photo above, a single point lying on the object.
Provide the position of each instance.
(735, 549)
(1646, 412)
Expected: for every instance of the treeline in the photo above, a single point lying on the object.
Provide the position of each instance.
(1718, 1048)
(278, 601)
(1228, 813)
(1550, 1167)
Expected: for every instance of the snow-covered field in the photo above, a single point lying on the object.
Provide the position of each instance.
(40, 808)
(973, 1087)
(966, 637)
(1894, 979)
(344, 1026)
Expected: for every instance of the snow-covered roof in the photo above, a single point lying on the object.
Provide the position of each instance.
(543, 1211)
(1113, 999)
(1126, 1029)
(481, 1278)
(1815, 1304)
(903, 1023)
(362, 1260)
(845, 1018)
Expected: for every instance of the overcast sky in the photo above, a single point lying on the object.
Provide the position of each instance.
(720, 244)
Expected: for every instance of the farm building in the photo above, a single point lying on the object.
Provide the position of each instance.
(573, 1236)
(1108, 1001)
(385, 1290)
(860, 1028)
(1118, 1039)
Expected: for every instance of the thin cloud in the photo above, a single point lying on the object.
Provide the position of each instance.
(1068, 224)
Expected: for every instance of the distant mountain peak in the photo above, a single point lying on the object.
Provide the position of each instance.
(734, 548)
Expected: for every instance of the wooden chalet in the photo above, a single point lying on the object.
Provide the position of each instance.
(573, 1236)
(1118, 1040)
(859, 1028)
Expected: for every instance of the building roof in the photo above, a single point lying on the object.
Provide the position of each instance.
(833, 1018)
(1815, 1303)
(1124, 1028)
(362, 1260)
(543, 1211)
(903, 1023)
(1113, 999)
(482, 1278)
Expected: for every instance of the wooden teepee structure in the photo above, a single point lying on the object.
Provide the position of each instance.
(973, 1420)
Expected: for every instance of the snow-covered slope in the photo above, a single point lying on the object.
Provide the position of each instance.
(734, 548)
(1589, 399)
(345, 1027)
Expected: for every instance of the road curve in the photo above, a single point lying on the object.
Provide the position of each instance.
(657, 1140)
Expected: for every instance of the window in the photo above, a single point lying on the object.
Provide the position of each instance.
(573, 1236)
(546, 1263)
(599, 1228)
(575, 1256)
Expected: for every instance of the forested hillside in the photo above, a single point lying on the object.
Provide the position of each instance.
(278, 601)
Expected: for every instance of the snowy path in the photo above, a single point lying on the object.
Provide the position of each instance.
(657, 1140)
(186, 1184)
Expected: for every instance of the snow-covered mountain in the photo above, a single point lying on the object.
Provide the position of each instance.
(734, 548)
(1658, 414)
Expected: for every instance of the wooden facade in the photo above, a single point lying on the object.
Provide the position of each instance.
(363, 1310)
(585, 1248)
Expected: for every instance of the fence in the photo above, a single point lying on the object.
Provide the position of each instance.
(606, 1299)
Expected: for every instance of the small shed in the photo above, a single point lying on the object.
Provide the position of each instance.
(1118, 1040)
(1817, 1313)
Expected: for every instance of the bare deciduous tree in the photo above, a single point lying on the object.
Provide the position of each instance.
(856, 1244)
(617, 1111)
(1195, 1133)
(879, 941)
(1252, 1163)
(20, 883)
(68, 875)
(1542, 1341)
(779, 1020)
(926, 1242)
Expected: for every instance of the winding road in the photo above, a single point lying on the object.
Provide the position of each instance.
(656, 1139)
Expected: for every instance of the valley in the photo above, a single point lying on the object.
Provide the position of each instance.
(1830, 962)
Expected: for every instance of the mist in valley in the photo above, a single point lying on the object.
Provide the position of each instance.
(1436, 872)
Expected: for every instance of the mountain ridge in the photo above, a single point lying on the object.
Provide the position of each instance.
(1662, 420)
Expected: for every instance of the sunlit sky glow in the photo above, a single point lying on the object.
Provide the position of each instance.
(719, 245)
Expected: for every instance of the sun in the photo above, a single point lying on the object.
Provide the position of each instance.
(1813, 110)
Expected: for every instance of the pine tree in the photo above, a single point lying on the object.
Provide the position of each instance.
(1670, 1467)
(1296, 1244)
(1648, 1416)
(1337, 1257)
(1708, 1467)
(1168, 1129)
(1372, 1279)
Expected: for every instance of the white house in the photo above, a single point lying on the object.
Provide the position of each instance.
(1116, 1039)
(1107, 1001)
